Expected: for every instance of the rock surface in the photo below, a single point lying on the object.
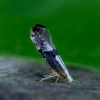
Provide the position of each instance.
(19, 80)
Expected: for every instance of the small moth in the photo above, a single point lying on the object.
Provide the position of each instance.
(42, 40)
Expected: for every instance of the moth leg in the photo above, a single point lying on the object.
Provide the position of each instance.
(55, 73)
(48, 76)
(51, 74)
(57, 79)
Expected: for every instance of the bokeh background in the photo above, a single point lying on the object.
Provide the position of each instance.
(74, 25)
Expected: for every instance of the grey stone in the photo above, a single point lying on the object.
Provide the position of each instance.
(19, 80)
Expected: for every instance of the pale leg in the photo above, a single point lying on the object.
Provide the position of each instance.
(48, 76)
(53, 74)
(57, 79)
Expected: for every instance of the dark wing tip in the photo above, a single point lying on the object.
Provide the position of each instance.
(39, 25)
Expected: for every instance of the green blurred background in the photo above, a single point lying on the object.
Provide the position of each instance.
(74, 25)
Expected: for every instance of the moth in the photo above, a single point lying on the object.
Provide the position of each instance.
(41, 38)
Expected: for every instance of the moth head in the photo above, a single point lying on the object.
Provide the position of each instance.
(38, 30)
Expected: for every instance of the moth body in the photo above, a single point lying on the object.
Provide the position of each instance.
(42, 40)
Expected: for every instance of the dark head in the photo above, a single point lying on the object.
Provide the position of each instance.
(37, 31)
(37, 28)
(39, 25)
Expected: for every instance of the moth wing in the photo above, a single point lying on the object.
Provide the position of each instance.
(49, 38)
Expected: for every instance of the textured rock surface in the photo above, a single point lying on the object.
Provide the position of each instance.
(19, 80)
